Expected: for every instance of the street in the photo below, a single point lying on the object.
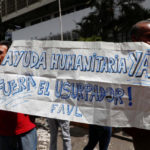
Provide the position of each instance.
(79, 137)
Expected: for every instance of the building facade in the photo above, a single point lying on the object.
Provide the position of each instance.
(39, 19)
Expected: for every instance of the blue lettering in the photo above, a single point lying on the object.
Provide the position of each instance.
(79, 63)
(54, 61)
(80, 88)
(143, 67)
(41, 88)
(18, 56)
(42, 61)
(122, 66)
(8, 59)
(21, 82)
(109, 94)
(66, 87)
(70, 62)
(135, 61)
(62, 61)
(69, 110)
(87, 63)
(88, 89)
(111, 63)
(58, 92)
(99, 60)
(119, 93)
(104, 65)
(77, 114)
(26, 58)
(30, 81)
(34, 59)
(53, 107)
(61, 109)
(93, 62)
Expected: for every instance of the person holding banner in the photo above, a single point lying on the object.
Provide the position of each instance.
(140, 32)
(17, 131)
(65, 128)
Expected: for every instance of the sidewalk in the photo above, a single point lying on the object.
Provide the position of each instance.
(79, 137)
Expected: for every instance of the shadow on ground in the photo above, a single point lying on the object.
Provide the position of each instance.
(76, 131)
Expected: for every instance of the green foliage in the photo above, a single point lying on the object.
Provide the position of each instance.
(97, 22)
(101, 22)
(93, 38)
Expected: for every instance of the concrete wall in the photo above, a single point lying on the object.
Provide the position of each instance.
(51, 27)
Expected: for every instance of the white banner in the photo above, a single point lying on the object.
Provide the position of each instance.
(89, 82)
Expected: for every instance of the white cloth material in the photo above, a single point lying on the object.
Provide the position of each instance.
(99, 83)
(65, 128)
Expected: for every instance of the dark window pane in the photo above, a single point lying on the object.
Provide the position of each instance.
(10, 6)
(32, 1)
(3, 8)
(21, 4)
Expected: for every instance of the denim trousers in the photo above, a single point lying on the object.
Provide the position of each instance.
(65, 129)
(101, 134)
(25, 141)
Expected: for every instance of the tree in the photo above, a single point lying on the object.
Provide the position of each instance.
(107, 23)
(97, 22)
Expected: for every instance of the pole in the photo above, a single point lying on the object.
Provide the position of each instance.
(61, 28)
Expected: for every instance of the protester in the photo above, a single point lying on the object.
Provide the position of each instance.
(140, 32)
(17, 131)
(65, 128)
(101, 134)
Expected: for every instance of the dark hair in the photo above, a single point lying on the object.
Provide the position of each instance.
(135, 30)
(7, 43)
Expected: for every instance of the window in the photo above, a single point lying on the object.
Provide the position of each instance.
(32, 1)
(3, 8)
(10, 6)
(21, 4)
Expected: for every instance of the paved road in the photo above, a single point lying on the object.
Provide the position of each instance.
(79, 137)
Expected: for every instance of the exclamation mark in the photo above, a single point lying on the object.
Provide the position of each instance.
(130, 96)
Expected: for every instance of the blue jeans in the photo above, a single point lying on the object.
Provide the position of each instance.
(101, 134)
(65, 129)
(25, 141)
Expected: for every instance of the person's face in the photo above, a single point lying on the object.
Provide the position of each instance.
(3, 51)
(144, 35)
